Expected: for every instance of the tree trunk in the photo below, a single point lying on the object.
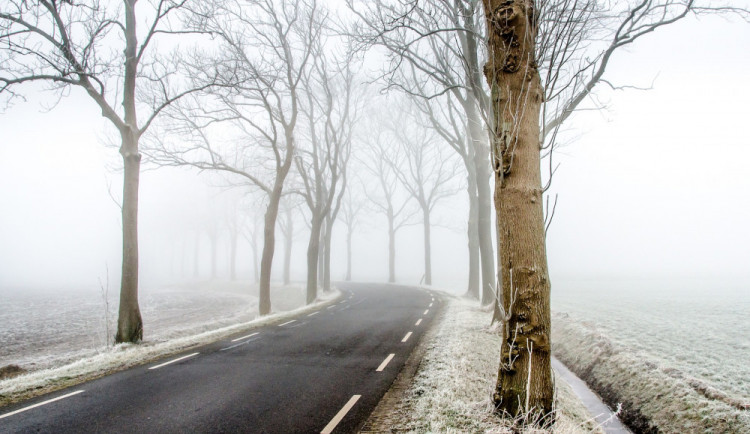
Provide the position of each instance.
(269, 245)
(321, 254)
(427, 246)
(288, 240)
(349, 253)
(129, 322)
(391, 248)
(484, 206)
(313, 250)
(233, 256)
(473, 236)
(524, 377)
(327, 256)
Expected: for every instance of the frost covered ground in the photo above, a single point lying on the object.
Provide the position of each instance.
(59, 338)
(451, 389)
(674, 351)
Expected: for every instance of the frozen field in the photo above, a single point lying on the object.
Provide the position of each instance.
(699, 327)
(41, 329)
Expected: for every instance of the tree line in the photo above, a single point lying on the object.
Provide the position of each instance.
(264, 89)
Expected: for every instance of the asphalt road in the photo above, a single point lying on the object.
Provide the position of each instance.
(323, 372)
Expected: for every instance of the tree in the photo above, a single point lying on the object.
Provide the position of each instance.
(267, 46)
(95, 46)
(287, 229)
(426, 174)
(441, 42)
(351, 208)
(386, 197)
(545, 57)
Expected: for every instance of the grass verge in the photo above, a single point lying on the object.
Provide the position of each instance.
(447, 382)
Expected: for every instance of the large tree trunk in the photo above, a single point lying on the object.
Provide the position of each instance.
(524, 379)
(391, 248)
(129, 322)
(473, 235)
(269, 245)
(427, 246)
(313, 252)
(288, 240)
(321, 254)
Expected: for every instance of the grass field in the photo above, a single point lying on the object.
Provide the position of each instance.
(691, 333)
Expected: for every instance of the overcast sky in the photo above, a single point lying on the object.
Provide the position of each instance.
(656, 184)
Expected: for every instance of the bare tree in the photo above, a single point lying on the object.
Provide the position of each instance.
(286, 224)
(425, 172)
(545, 52)
(351, 209)
(387, 195)
(267, 45)
(94, 46)
(440, 42)
(331, 114)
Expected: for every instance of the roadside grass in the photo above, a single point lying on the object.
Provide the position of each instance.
(123, 356)
(654, 397)
(450, 391)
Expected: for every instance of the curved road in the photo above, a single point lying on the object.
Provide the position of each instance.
(324, 371)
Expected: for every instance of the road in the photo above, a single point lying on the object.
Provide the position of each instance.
(324, 371)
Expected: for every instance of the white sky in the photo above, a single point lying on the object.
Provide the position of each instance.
(655, 185)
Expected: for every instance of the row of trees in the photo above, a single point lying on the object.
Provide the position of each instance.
(263, 89)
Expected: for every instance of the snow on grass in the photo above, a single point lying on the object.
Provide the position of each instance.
(451, 390)
(654, 398)
(123, 356)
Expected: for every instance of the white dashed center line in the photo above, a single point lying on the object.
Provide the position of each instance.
(244, 337)
(287, 323)
(331, 307)
(419, 321)
(430, 305)
(314, 313)
(340, 415)
(426, 312)
(21, 410)
(173, 361)
(385, 363)
(406, 338)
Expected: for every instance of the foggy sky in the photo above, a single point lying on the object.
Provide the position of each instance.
(656, 184)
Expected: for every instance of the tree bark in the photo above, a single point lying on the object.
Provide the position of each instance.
(524, 382)
(313, 252)
(129, 321)
(427, 246)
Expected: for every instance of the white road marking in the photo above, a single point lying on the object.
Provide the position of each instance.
(426, 312)
(331, 307)
(244, 337)
(340, 415)
(314, 313)
(430, 305)
(406, 337)
(385, 363)
(39, 404)
(172, 361)
(237, 345)
(287, 323)
(419, 321)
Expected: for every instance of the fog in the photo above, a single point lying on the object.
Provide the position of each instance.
(654, 184)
